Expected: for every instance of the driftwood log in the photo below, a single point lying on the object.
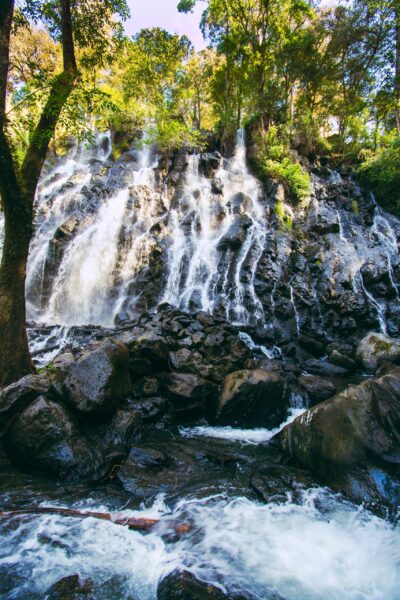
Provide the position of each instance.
(135, 523)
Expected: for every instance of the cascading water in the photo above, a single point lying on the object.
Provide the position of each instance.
(214, 238)
(204, 269)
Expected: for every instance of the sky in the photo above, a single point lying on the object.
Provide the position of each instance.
(163, 13)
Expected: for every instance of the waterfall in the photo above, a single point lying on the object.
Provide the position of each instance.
(206, 268)
(114, 238)
(211, 240)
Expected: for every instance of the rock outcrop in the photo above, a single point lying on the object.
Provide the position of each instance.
(376, 349)
(352, 441)
(252, 398)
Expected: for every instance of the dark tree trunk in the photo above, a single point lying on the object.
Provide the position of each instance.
(15, 359)
(17, 188)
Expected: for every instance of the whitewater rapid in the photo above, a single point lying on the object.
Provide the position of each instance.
(320, 548)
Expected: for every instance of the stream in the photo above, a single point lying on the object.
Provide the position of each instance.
(307, 544)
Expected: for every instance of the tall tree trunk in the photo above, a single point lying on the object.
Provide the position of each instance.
(15, 359)
(17, 188)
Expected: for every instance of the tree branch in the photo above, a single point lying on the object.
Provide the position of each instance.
(59, 94)
(6, 16)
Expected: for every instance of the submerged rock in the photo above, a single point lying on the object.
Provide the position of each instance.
(352, 441)
(70, 588)
(183, 585)
(252, 398)
(377, 348)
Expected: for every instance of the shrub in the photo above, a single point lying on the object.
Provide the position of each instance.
(380, 172)
(171, 134)
(275, 161)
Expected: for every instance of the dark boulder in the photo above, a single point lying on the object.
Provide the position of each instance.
(191, 394)
(70, 588)
(352, 441)
(341, 360)
(312, 345)
(209, 163)
(17, 396)
(318, 389)
(323, 368)
(151, 410)
(98, 380)
(236, 233)
(44, 437)
(252, 398)
(217, 186)
(183, 585)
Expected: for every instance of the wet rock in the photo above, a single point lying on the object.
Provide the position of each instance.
(70, 588)
(352, 441)
(191, 394)
(236, 233)
(217, 186)
(67, 228)
(152, 347)
(318, 389)
(377, 348)
(312, 345)
(17, 396)
(151, 409)
(99, 379)
(341, 360)
(146, 387)
(45, 438)
(124, 427)
(323, 368)
(240, 203)
(209, 163)
(273, 483)
(252, 398)
(182, 585)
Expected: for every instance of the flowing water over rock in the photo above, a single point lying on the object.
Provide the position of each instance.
(308, 544)
(116, 238)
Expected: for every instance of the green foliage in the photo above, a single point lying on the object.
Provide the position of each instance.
(170, 134)
(274, 161)
(295, 179)
(380, 172)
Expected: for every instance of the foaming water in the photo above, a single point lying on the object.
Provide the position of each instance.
(245, 436)
(86, 275)
(321, 548)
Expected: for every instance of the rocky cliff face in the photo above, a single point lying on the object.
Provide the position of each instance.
(117, 237)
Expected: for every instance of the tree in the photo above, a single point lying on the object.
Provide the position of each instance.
(74, 23)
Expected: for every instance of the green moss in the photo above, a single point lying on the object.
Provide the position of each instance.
(284, 217)
(355, 207)
(382, 345)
